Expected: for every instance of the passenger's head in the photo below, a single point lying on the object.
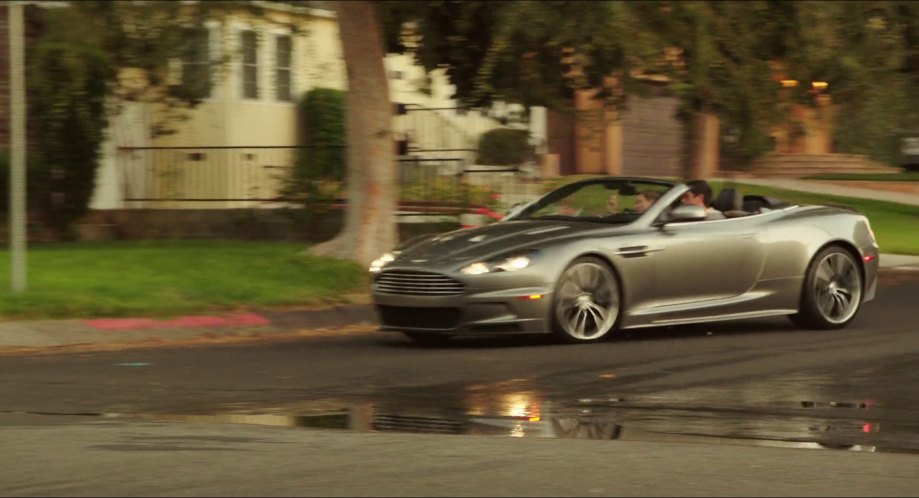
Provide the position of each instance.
(699, 194)
(645, 199)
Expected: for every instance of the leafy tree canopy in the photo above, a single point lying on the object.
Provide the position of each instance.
(721, 57)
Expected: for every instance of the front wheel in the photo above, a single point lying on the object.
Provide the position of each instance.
(832, 292)
(586, 301)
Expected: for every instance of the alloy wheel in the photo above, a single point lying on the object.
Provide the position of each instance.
(587, 302)
(837, 287)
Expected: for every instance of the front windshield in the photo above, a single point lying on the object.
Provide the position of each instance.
(607, 201)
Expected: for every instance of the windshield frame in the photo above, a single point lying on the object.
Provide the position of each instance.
(617, 183)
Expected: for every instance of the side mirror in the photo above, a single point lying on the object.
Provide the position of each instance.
(686, 213)
(516, 209)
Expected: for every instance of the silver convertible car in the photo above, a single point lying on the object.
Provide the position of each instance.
(591, 257)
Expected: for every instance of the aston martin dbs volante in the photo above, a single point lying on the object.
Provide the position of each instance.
(591, 257)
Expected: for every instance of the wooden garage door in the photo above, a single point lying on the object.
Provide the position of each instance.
(652, 137)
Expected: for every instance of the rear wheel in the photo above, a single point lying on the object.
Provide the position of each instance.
(586, 301)
(832, 292)
(428, 339)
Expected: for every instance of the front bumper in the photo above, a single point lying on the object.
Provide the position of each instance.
(480, 308)
(871, 269)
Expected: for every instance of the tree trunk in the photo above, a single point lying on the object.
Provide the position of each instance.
(372, 189)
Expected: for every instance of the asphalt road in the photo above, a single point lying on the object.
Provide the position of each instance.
(751, 408)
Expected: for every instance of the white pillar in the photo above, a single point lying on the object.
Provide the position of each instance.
(539, 126)
(17, 148)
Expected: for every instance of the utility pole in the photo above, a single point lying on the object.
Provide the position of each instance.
(17, 148)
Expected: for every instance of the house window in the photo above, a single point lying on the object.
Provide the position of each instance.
(196, 66)
(249, 45)
(283, 69)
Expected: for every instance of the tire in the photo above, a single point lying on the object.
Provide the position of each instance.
(586, 301)
(428, 339)
(832, 292)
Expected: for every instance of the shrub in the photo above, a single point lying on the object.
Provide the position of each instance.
(36, 182)
(505, 147)
(322, 113)
(67, 92)
(319, 170)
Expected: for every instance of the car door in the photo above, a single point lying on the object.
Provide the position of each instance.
(704, 260)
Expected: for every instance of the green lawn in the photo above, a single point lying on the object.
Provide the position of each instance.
(166, 278)
(896, 226)
(172, 277)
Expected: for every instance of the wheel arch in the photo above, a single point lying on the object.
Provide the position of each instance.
(612, 266)
(848, 247)
(604, 260)
(842, 244)
(805, 316)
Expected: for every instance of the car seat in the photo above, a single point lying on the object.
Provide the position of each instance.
(730, 202)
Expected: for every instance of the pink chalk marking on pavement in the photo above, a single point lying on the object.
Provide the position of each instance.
(246, 319)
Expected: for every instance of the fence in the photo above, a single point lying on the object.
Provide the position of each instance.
(256, 176)
(215, 176)
(429, 132)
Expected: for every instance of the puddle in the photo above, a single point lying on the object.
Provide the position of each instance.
(851, 425)
(851, 408)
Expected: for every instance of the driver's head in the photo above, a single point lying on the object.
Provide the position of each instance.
(645, 199)
(699, 194)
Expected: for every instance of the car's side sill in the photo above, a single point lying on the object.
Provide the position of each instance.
(716, 318)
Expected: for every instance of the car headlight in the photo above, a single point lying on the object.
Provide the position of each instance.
(377, 265)
(506, 263)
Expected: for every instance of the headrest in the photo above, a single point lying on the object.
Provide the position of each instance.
(728, 200)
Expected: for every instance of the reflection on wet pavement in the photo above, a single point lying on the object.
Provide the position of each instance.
(755, 413)
(849, 408)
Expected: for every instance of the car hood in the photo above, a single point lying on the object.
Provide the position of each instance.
(491, 240)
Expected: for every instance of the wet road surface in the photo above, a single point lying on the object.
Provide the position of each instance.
(759, 383)
(818, 409)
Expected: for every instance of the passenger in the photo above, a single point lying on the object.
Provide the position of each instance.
(700, 194)
(568, 206)
(612, 204)
(646, 199)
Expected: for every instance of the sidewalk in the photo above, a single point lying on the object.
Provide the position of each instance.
(826, 188)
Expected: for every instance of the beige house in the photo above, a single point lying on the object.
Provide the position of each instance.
(234, 148)
(236, 143)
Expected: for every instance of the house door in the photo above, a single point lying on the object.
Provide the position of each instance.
(652, 137)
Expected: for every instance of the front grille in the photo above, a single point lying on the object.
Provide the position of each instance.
(417, 283)
(401, 423)
(419, 318)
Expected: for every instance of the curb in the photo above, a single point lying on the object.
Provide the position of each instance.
(114, 333)
(899, 262)
(336, 316)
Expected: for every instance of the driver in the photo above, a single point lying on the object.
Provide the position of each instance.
(700, 194)
(645, 199)
(568, 207)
